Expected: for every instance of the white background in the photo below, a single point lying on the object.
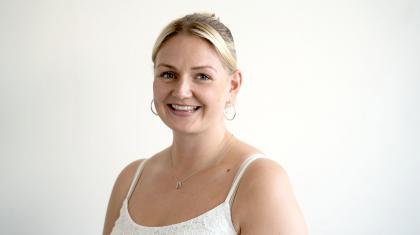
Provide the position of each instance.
(331, 92)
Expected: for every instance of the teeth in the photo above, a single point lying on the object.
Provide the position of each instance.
(184, 107)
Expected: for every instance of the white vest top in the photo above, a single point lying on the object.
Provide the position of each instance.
(215, 221)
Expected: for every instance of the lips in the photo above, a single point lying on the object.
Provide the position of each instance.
(184, 108)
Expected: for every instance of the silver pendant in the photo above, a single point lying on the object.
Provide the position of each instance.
(178, 184)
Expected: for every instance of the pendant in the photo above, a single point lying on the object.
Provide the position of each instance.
(178, 184)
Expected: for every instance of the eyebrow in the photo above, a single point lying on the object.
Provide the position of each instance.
(193, 68)
(204, 67)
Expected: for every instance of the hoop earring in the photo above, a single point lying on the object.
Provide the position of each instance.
(230, 112)
(151, 107)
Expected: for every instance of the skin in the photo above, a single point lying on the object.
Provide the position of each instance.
(188, 71)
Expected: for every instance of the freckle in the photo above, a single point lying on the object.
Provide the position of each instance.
(227, 170)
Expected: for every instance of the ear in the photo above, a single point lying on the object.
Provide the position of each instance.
(235, 82)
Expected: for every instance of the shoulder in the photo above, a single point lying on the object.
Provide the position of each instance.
(123, 181)
(125, 177)
(264, 176)
(118, 194)
(265, 201)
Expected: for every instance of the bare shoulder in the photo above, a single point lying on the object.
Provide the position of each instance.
(265, 202)
(123, 181)
(118, 194)
(267, 171)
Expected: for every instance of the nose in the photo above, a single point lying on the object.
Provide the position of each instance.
(182, 88)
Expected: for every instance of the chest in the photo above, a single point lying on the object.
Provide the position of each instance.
(156, 200)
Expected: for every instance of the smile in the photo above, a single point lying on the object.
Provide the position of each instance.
(185, 108)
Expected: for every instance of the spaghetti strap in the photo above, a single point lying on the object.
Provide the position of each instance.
(238, 176)
(135, 179)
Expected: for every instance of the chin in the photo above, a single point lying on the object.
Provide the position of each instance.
(185, 130)
(189, 125)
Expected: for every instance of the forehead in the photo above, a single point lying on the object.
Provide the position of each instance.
(188, 50)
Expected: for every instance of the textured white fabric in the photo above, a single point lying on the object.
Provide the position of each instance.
(215, 221)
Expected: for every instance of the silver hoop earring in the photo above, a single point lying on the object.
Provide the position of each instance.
(230, 112)
(151, 107)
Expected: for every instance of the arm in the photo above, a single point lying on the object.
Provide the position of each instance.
(119, 192)
(266, 203)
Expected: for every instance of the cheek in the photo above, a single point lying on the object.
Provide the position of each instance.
(215, 100)
(158, 90)
(155, 90)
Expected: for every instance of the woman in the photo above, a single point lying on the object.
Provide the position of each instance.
(207, 181)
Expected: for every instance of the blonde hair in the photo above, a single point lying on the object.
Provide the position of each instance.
(206, 26)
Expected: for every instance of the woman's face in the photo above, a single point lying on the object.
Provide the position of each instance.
(191, 85)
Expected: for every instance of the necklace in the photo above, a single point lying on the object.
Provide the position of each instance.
(224, 149)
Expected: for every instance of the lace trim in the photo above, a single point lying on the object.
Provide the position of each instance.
(214, 221)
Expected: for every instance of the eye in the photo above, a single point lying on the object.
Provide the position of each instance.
(167, 75)
(203, 77)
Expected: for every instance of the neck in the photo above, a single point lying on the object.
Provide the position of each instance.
(196, 151)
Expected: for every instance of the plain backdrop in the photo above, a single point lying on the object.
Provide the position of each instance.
(331, 92)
